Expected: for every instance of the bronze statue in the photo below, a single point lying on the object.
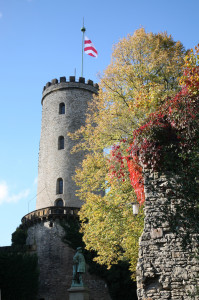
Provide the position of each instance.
(79, 267)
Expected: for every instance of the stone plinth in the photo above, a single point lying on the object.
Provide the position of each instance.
(78, 293)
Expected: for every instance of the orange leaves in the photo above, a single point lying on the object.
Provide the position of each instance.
(118, 170)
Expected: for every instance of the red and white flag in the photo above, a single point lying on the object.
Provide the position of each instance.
(89, 47)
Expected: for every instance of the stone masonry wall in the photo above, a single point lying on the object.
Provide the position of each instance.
(55, 261)
(165, 270)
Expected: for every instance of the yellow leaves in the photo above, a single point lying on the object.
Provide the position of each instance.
(143, 67)
(107, 239)
(109, 226)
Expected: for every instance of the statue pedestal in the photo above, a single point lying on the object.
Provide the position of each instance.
(78, 293)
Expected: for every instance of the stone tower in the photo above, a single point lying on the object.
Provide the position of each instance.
(64, 106)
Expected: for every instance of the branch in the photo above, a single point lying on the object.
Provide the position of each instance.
(115, 91)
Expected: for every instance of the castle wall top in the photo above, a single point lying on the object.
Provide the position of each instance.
(64, 84)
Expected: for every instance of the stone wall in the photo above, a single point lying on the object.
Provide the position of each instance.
(165, 269)
(55, 264)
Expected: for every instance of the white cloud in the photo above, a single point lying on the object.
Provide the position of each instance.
(5, 196)
(1, 15)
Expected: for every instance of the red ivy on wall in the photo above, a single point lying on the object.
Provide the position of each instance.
(136, 178)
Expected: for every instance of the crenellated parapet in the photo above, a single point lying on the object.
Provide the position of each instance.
(63, 83)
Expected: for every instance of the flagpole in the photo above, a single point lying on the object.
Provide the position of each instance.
(83, 29)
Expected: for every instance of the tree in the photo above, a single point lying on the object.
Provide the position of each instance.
(143, 72)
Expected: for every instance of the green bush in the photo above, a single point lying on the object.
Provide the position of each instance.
(19, 237)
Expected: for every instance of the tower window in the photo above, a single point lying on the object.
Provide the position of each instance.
(61, 108)
(59, 186)
(59, 203)
(60, 142)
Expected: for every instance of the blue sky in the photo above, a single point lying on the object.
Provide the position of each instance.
(41, 40)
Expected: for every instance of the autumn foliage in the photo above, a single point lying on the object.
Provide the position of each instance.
(136, 178)
(171, 133)
(142, 74)
(165, 141)
(190, 78)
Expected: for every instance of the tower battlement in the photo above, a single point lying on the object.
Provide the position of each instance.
(63, 83)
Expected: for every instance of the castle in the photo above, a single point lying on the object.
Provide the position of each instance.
(165, 269)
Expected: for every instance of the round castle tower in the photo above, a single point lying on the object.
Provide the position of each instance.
(64, 106)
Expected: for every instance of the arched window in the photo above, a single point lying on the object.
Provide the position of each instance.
(60, 142)
(61, 108)
(60, 186)
(59, 203)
